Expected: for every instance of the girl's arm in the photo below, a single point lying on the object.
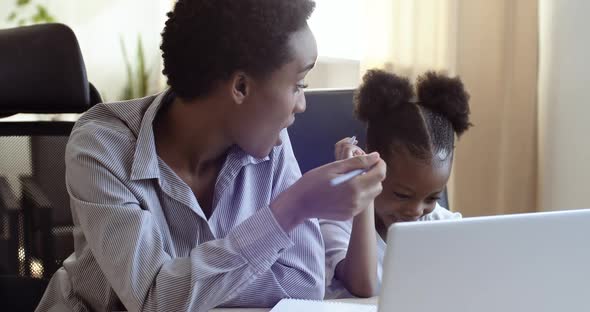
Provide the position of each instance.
(358, 271)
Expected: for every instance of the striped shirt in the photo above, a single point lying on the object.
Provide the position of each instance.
(142, 242)
(337, 235)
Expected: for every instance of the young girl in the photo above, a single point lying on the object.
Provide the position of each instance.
(415, 136)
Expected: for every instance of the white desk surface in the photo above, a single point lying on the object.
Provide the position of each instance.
(372, 301)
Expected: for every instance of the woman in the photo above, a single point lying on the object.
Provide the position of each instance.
(192, 198)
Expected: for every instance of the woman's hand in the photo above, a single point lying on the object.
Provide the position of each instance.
(312, 196)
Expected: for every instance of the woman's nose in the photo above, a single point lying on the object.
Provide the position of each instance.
(301, 105)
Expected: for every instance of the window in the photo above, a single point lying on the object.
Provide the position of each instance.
(336, 25)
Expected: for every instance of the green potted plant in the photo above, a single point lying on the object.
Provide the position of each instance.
(137, 85)
(28, 12)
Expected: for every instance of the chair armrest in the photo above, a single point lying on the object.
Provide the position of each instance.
(36, 205)
(9, 209)
(32, 191)
(10, 213)
(8, 200)
(38, 218)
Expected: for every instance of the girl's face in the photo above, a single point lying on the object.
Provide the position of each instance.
(411, 188)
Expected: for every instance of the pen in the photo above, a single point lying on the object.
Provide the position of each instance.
(347, 176)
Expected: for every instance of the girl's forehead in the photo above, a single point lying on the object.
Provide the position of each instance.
(417, 174)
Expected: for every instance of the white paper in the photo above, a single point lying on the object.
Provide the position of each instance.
(297, 305)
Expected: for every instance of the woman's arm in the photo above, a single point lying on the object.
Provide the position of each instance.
(127, 244)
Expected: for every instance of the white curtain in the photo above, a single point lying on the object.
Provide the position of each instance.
(492, 46)
(409, 36)
(564, 108)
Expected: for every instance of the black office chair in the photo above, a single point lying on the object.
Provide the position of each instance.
(41, 72)
(20, 293)
(329, 118)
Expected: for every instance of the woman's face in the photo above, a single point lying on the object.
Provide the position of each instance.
(411, 188)
(271, 103)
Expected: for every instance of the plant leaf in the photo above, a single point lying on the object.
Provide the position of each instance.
(11, 17)
(142, 75)
(43, 15)
(128, 91)
(21, 3)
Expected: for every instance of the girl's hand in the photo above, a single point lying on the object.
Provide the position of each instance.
(346, 148)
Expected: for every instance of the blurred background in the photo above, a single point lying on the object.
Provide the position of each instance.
(523, 62)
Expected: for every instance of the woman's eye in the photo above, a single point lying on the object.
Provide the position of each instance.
(301, 86)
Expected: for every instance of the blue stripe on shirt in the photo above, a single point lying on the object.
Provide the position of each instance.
(141, 239)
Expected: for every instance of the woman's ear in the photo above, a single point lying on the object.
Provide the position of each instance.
(240, 87)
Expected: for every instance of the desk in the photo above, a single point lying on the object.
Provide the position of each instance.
(372, 301)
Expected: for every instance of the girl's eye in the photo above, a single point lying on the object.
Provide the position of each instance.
(401, 196)
(432, 200)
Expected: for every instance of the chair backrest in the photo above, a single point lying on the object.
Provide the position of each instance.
(42, 72)
(328, 118)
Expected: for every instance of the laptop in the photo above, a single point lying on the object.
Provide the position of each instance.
(526, 262)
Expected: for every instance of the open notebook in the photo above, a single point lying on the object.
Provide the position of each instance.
(298, 305)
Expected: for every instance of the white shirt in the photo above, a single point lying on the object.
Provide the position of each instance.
(336, 236)
(143, 243)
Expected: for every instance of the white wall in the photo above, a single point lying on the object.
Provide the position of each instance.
(99, 25)
(564, 105)
(334, 73)
(337, 27)
(336, 24)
